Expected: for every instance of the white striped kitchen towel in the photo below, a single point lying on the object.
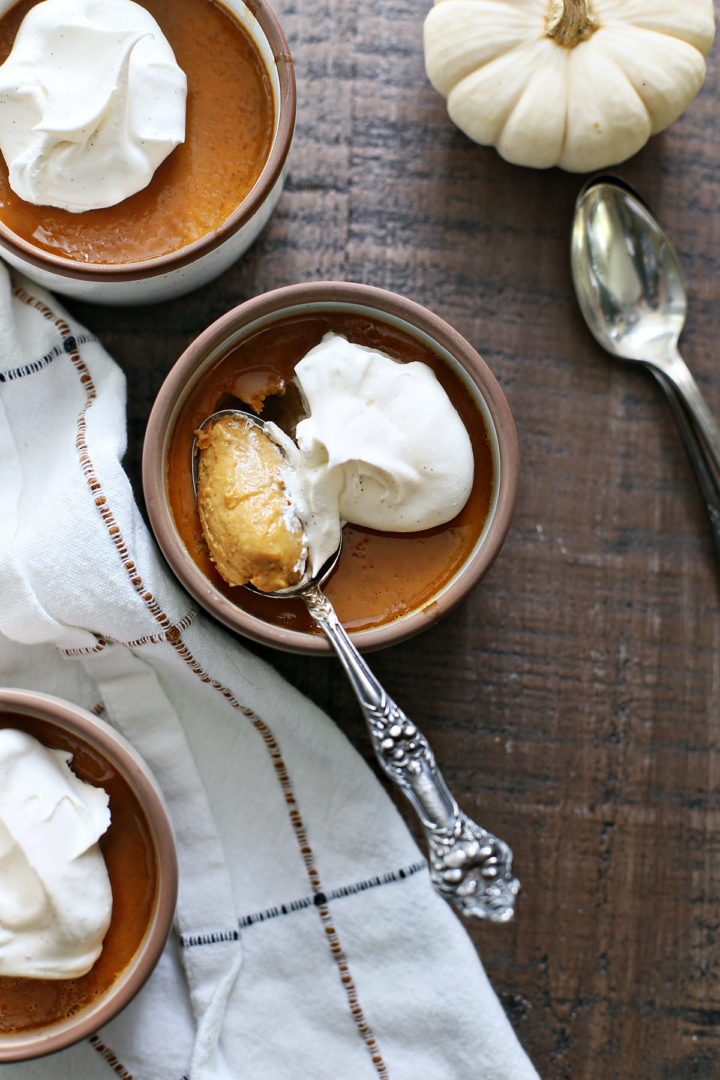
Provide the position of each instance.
(308, 941)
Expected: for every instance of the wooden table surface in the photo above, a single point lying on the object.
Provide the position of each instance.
(572, 699)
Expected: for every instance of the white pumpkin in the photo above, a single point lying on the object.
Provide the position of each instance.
(581, 84)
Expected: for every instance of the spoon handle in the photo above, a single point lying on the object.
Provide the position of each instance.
(708, 480)
(469, 866)
(678, 373)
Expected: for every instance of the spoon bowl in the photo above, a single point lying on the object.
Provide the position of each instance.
(626, 274)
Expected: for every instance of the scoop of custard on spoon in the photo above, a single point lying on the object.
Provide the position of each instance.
(251, 529)
(237, 476)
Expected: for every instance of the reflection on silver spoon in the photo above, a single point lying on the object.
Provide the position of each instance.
(631, 293)
(469, 866)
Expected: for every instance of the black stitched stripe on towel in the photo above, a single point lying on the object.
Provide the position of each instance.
(334, 894)
(214, 937)
(68, 345)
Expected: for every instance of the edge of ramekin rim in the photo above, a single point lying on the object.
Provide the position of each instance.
(95, 732)
(159, 265)
(211, 342)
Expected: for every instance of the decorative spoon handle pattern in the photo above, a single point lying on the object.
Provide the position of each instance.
(469, 866)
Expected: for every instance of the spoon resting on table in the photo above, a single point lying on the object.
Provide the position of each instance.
(630, 290)
(469, 867)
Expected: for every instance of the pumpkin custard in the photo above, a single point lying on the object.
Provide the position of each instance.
(228, 133)
(383, 575)
(129, 854)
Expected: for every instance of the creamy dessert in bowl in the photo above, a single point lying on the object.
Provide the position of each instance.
(143, 147)
(88, 874)
(423, 529)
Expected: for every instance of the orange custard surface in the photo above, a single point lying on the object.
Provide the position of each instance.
(380, 576)
(228, 133)
(130, 859)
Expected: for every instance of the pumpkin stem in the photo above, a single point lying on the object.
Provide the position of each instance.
(568, 22)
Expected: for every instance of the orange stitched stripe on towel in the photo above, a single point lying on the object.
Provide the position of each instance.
(110, 1058)
(176, 641)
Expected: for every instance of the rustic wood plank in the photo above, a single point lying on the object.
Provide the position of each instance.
(573, 698)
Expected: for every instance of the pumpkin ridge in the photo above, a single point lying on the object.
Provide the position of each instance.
(606, 131)
(466, 60)
(691, 27)
(494, 78)
(666, 35)
(683, 59)
(509, 141)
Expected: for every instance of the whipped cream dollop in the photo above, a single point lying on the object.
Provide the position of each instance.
(383, 446)
(91, 102)
(55, 895)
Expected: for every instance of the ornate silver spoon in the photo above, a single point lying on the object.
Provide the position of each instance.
(630, 289)
(469, 867)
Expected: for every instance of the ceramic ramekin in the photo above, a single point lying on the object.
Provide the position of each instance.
(378, 304)
(168, 276)
(60, 719)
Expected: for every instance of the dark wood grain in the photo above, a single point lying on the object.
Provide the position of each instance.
(573, 699)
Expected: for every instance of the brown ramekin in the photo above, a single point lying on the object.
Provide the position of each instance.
(379, 305)
(167, 276)
(60, 719)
